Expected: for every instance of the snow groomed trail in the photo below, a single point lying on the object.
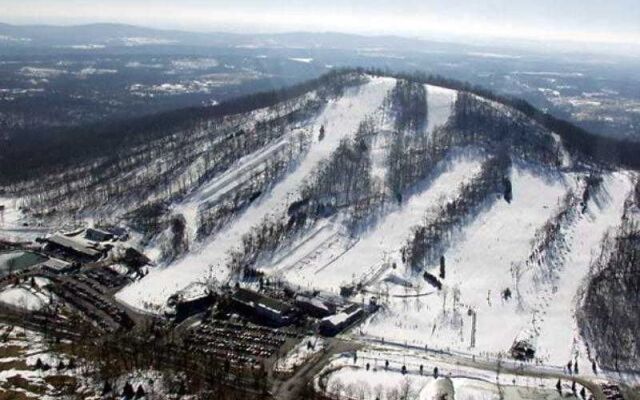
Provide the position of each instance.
(330, 258)
(340, 118)
(478, 267)
(381, 244)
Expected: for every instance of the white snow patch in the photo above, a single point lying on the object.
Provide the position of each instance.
(22, 298)
(440, 103)
(301, 60)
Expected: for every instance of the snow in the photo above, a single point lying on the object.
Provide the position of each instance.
(11, 215)
(340, 118)
(352, 379)
(224, 183)
(85, 46)
(301, 60)
(440, 103)
(559, 339)
(195, 64)
(478, 266)
(370, 385)
(96, 71)
(437, 389)
(494, 55)
(145, 41)
(378, 247)
(39, 72)
(12, 219)
(22, 298)
(300, 354)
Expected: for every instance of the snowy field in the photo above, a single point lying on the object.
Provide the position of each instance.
(340, 119)
(480, 266)
(28, 297)
(351, 378)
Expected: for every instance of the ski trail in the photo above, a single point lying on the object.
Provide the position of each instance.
(340, 118)
(384, 240)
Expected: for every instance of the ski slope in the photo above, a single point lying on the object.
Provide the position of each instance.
(440, 103)
(328, 258)
(559, 340)
(479, 267)
(223, 184)
(379, 247)
(340, 118)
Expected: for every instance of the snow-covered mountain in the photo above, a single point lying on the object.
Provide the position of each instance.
(474, 224)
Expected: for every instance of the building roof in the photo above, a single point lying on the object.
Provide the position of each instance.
(97, 234)
(255, 299)
(342, 316)
(73, 244)
(312, 301)
(56, 264)
(194, 291)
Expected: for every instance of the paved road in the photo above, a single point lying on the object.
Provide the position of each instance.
(293, 387)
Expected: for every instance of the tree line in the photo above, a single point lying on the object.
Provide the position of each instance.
(587, 146)
(609, 313)
(429, 239)
(36, 154)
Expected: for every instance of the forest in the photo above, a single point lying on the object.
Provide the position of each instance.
(588, 146)
(34, 154)
(613, 290)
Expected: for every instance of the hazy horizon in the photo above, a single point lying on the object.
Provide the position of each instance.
(587, 21)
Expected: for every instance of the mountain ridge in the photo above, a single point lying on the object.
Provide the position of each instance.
(597, 148)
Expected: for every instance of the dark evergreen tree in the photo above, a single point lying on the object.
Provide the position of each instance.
(140, 393)
(106, 388)
(127, 391)
(508, 191)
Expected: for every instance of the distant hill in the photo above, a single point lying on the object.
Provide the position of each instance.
(114, 35)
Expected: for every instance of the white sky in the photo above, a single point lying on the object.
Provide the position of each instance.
(566, 20)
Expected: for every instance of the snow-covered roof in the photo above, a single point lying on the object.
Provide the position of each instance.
(342, 316)
(194, 291)
(56, 264)
(312, 301)
(73, 243)
(254, 299)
